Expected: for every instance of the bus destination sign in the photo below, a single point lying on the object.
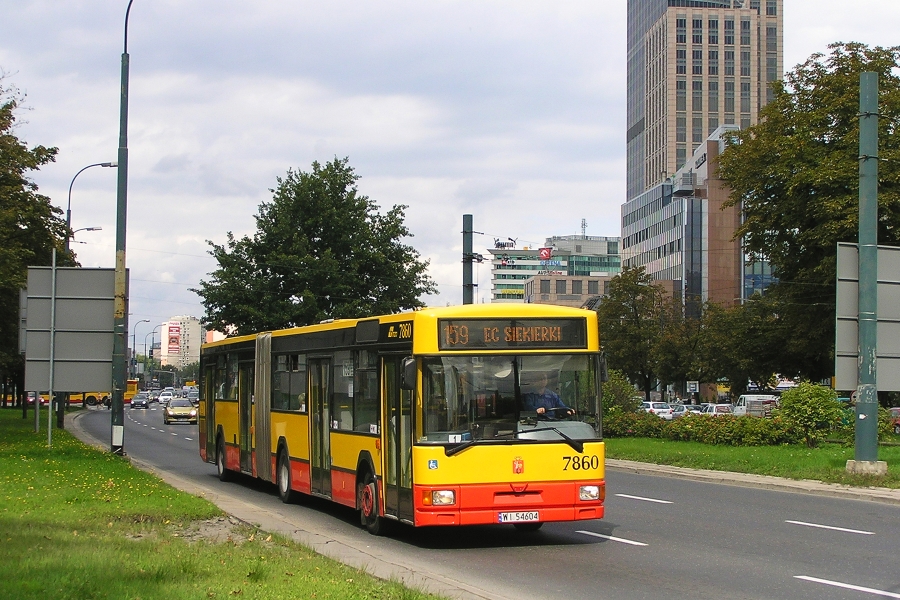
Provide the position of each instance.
(524, 334)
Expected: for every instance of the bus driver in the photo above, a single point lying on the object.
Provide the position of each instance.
(543, 399)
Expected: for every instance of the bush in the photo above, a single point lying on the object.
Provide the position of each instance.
(618, 393)
(813, 410)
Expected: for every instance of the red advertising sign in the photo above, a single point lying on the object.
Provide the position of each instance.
(174, 339)
(545, 253)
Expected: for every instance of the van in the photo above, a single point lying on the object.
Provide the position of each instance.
(755, 405)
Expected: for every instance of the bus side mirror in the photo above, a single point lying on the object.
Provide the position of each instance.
(408, 373)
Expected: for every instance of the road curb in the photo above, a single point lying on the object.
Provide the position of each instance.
(801, 486)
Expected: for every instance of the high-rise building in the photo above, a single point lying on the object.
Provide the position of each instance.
(181, 338)
(694, 65)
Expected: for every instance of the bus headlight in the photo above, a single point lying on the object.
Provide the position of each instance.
(443, 497)
(589, 492)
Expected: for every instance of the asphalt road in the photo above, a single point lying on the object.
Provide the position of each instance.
(663, 538)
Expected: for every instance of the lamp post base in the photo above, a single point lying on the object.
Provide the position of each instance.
(867, 467)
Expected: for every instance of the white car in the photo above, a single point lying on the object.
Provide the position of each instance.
(717, 410)
(165, 397)
(660, 409)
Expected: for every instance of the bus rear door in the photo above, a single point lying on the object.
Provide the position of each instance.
(320, 422)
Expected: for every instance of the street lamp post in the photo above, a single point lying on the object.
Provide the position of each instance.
(147, 354)
(69, 205)
(120, 309)
(134, 347)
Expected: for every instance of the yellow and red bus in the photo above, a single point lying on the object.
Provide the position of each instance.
(425, 418)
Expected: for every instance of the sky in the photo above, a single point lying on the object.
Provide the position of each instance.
(513, 112)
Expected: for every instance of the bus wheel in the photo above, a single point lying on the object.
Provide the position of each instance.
(526, 527)
(224, 473)
(287, 495)
(91, 401)
(368, 507)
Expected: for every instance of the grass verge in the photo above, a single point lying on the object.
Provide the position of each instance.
(826, 463)
(77, 523)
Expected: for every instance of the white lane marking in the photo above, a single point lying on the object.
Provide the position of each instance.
(848, 586)
(174, 434)
(644, 499)
(805, 524)
(189, 439)
(612, 538)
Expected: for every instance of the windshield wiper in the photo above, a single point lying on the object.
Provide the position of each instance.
(576, 445)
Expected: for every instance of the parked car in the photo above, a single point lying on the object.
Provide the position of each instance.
(895, 419)
(717, 410)
(694, 409)
(660, 409)
(679, 410)
(180, 409)
(141, 400)
(165, 397)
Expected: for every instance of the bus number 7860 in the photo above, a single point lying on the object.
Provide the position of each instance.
(581, 463)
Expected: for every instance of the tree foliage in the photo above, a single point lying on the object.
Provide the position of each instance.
(631, 320)
(321, 251)
(796, 176)
(30, 227)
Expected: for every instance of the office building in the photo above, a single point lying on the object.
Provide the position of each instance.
(580, 256)
(694, 65)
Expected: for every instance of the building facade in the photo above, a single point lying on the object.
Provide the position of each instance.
(181, 338)
(694, 65)
(576, 255)
(681, 230)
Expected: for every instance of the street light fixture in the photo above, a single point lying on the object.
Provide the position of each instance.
(134, 344)
(69, 205)
(81, 229)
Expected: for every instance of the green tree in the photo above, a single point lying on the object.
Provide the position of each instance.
(30, 227)
(321, 251)
(796, 177)
(632, 318)
(619, 394)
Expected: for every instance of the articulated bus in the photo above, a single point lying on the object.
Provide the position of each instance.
(425, 418)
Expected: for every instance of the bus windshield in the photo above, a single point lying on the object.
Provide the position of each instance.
(525, 398)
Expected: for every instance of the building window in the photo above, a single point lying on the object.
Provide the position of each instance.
(771, 39)
(729, 62)
(771, 7)
(593, 287)
(771, 68)
(729, 96)
(745, 96)
(681, 95)
(713, 124)
(713, 35)
(681, 30)
(697, 96)
(697, 130)
(680, 129)
(713, 96)
(545, 286)
(680, 61)
(745, 63)
(576, 286)
(560, 286)
(697, 65)
(729, 32)
(745, 32)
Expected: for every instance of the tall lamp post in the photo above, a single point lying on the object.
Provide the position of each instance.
(134, 346)
(69, 205)
(120, 327)
(147, 354)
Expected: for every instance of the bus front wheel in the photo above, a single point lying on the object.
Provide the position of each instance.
(368, 506)
(285, 491)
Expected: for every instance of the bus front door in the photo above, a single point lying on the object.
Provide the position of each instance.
(245, 408)
(398, 456)
(320, 420)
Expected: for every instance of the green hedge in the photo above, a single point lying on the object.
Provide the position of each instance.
(725, 430)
